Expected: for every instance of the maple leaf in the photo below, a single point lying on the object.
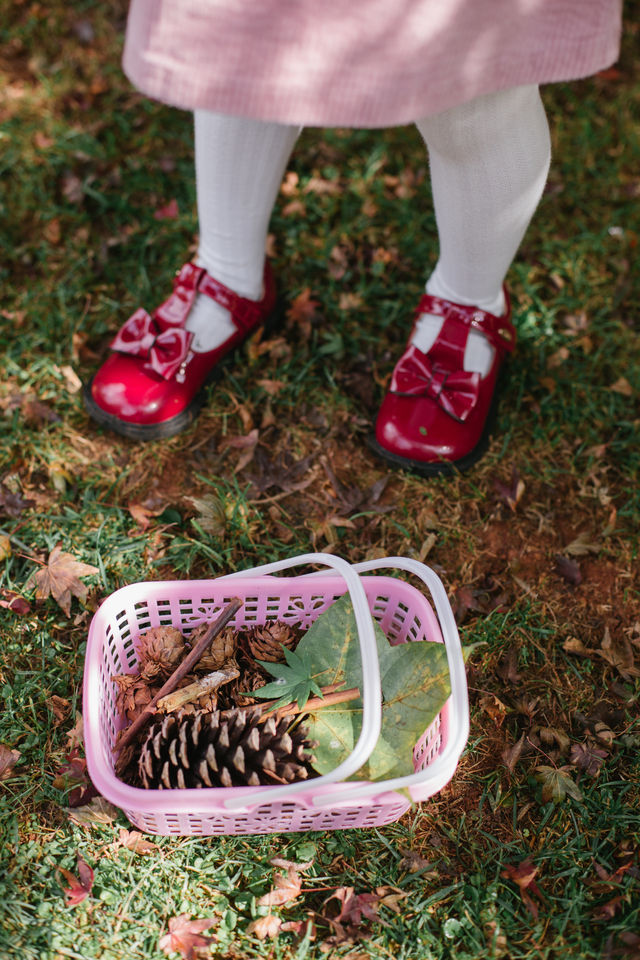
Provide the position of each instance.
(294, 680)
(75, 736)
(8, 760)
(568, 569)
(135, 841)
(59, 578)
(557, 783)
(13, 504)
(184, 936)
(511, 755)
(79, 887)
(351, 499)
(619, 653)
(14, 602)
(73, 776)
(211, 514)
(143, 512)
(286, 887)
(588, 758)
(263, 927)
(523, 875)
(302, 311)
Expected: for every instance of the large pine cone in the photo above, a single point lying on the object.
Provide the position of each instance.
(266, 641)
(209, 750)
(160, 650)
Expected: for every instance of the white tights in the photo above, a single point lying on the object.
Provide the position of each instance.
(489, 160)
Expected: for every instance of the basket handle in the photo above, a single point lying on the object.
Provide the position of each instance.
(459, 712)
(371, 689)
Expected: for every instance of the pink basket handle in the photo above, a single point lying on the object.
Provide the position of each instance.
(371, 690)
(444, 765)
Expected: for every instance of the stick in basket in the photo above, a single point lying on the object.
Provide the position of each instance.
(181, 671)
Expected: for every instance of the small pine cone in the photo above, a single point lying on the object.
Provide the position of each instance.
(160, 650)
(134, 693)
(266, 641)
(222, 650)
(209, 750)
(239, 690)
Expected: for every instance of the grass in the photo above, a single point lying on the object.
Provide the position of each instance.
(85, 164)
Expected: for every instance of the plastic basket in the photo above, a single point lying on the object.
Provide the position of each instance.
(327, 802)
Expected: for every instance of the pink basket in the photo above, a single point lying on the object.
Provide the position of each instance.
(328, 802)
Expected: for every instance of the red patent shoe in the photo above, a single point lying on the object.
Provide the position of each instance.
(151, 385)
(435, 419)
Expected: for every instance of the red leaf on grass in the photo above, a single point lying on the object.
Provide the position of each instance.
(14, 602)
(73, 776)
(588, 758)
(8, 760)
(523, 875)
(78, 887)
(168, 212)
(184, 936)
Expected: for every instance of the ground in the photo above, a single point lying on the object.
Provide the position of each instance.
(531, 850)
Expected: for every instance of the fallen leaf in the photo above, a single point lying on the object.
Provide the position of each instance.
(8, 760)
(97, 812)
(511, 493)
(588, 758)
(184, 936)
(286, 888)
(557, 783)
(79, 887)
(303, 310)
(135, 841)
(14, 602)
(72, 777)
(303, 928)
(247, 444)
(144, 512)
(350, 301)
(618, 652)
(59, 707)
(211, 514)
(168, 212)
(558, 358)
(75, 736)
(582, 545)
(322, 187)
(72, 188)
(354, 908)
(523, 874)
(5, 547)
(623, 387)
(59, 579)
(511, 755)
(36, 412)
(13, 504)
(568, 569)
(412, 862)
(52, 231)
(264, 927)
(607, 911)
(272, 387)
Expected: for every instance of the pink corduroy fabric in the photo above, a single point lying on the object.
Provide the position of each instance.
(362, 63)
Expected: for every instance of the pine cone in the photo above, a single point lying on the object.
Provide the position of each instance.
(209, 750)
(222, 649)
(266, 641)
(160, 650)
(134, 693)
(237, 693)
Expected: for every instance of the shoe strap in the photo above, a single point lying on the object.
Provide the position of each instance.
(459, 320)
(191, 280)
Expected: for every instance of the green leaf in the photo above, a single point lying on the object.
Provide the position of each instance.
(293, 681)
(415, 686)
(557, 783)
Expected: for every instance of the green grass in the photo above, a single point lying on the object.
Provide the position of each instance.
(84, 164)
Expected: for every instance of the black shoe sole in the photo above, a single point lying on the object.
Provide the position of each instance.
(141, 431)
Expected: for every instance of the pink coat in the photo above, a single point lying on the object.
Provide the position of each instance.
(363, 63)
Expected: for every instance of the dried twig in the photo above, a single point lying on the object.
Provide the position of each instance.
(195, 690)
(331, 697)
(181, 671)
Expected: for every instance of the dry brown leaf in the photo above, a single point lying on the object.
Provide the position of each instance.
(286, 888)
(135, 841)
(623, 387)
(619, 653)
(8, 760)
(59, 578)
(264, 927)
(582, 545)
(523, 874)
(302, 311)
(75, 736)
(511, 755)
(96, 813)
(59, 707)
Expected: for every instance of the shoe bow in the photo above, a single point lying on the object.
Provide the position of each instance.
(164, 351)
(417, 375)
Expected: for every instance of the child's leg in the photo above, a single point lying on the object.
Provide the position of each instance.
(489, 160)
(239, 167)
